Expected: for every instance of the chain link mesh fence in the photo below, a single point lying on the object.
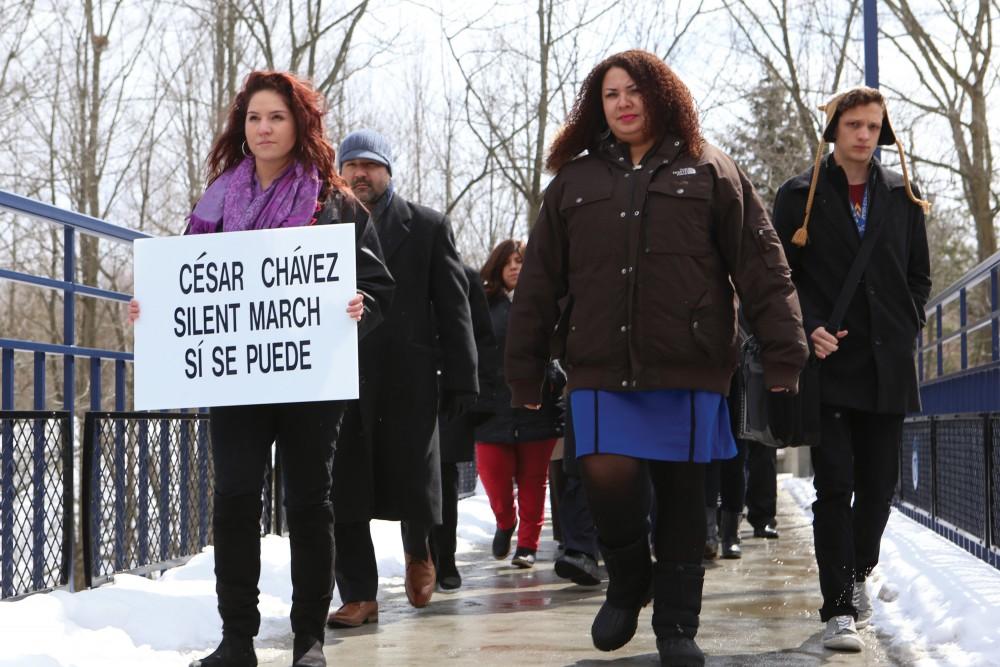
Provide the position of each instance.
(36, 502)
(147, 485)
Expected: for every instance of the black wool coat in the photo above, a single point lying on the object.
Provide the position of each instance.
(387, 464)
(458, 435)
(503, 423)
(873, 369)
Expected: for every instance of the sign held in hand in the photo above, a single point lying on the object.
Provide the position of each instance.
(245, 317)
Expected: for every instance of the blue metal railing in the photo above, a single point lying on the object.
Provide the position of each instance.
(950, 458)
(43, 471)
(958, 353)
(72, 224)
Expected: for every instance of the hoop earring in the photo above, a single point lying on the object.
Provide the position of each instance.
(244, 147)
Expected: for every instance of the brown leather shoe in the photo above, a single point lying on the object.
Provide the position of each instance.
(420, 578)
(354, 615)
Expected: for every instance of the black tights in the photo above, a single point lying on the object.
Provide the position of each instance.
(619, 489)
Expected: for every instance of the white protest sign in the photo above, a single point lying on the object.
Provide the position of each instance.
(245, 317)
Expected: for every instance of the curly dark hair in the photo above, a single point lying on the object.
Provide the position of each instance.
(492, 273)
(312, 149)
(668, 104)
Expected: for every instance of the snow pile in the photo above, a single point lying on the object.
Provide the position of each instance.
(173, 619)
(933, 602)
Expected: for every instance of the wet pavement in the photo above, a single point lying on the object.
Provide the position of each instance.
(759, 610)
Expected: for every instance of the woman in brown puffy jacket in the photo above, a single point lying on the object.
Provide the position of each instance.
(646, 235)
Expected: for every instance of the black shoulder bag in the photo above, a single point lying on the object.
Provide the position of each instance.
(782, 419)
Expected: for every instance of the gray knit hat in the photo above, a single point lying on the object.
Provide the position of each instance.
(365, 145)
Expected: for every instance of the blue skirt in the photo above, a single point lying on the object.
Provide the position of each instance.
(664, 425)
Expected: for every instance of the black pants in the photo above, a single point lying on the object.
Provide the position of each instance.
(443, 537)
(859, 456)
(762, 485)
(305, 434)
(576, 523)
(357, 570)
(726, 478)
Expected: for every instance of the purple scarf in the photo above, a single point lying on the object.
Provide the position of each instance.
(234, 201)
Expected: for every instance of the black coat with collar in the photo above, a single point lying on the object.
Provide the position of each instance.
(873, 369)
(458, 435)
(387, 464)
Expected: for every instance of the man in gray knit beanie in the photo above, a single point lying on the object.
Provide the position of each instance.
(387, 464)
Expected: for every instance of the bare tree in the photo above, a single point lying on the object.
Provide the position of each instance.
(782, 39)
(310, 25)
(509, 87)
(953, 63)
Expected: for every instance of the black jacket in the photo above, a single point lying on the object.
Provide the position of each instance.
(373, 279)
(387, 464)
(873, 369)
(503, 423)
(458, 435)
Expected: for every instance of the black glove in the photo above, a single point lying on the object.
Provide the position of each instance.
(455, 403)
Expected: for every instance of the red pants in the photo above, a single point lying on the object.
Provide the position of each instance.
(528, 463)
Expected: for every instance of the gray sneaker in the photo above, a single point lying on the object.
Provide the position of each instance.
(842, 635)
(862, 600)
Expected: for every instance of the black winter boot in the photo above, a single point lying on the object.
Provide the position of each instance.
(234, 651)
(711, 534)
(310, 536)
(730, 533)
(676, 608)
(236, 529)
(629, 574)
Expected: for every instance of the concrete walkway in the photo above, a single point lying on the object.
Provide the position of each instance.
(760, 610)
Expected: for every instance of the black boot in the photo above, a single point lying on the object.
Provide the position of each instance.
(676, 608)
(234, 651)
(443, 547)
(730, 533)
(310, 536)
(711, 534)
(629, 574)
(236, 530)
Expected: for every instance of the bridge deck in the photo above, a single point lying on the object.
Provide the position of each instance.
(760, 610)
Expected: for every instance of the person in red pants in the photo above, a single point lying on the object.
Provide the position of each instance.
(513, 444)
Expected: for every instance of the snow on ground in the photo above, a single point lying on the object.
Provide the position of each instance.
(171, 620)
(934, 603)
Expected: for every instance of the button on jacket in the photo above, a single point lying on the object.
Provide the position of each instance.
(647, 256)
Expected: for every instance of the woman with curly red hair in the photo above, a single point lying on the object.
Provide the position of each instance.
(643, 238)
(272, 167)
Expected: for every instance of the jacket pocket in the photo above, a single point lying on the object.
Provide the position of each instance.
(713, 328)
(768, 244)
(678, 217)
(580, 196)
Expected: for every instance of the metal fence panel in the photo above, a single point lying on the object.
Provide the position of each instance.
(144, 490)
(959, 478)
(466, 479)
(36, 502)
(994, 477)
(147, 484)
(915, 464)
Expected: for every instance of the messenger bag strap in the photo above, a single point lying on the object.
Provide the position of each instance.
(854, 277)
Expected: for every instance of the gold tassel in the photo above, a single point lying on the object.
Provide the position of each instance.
(801, 235)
